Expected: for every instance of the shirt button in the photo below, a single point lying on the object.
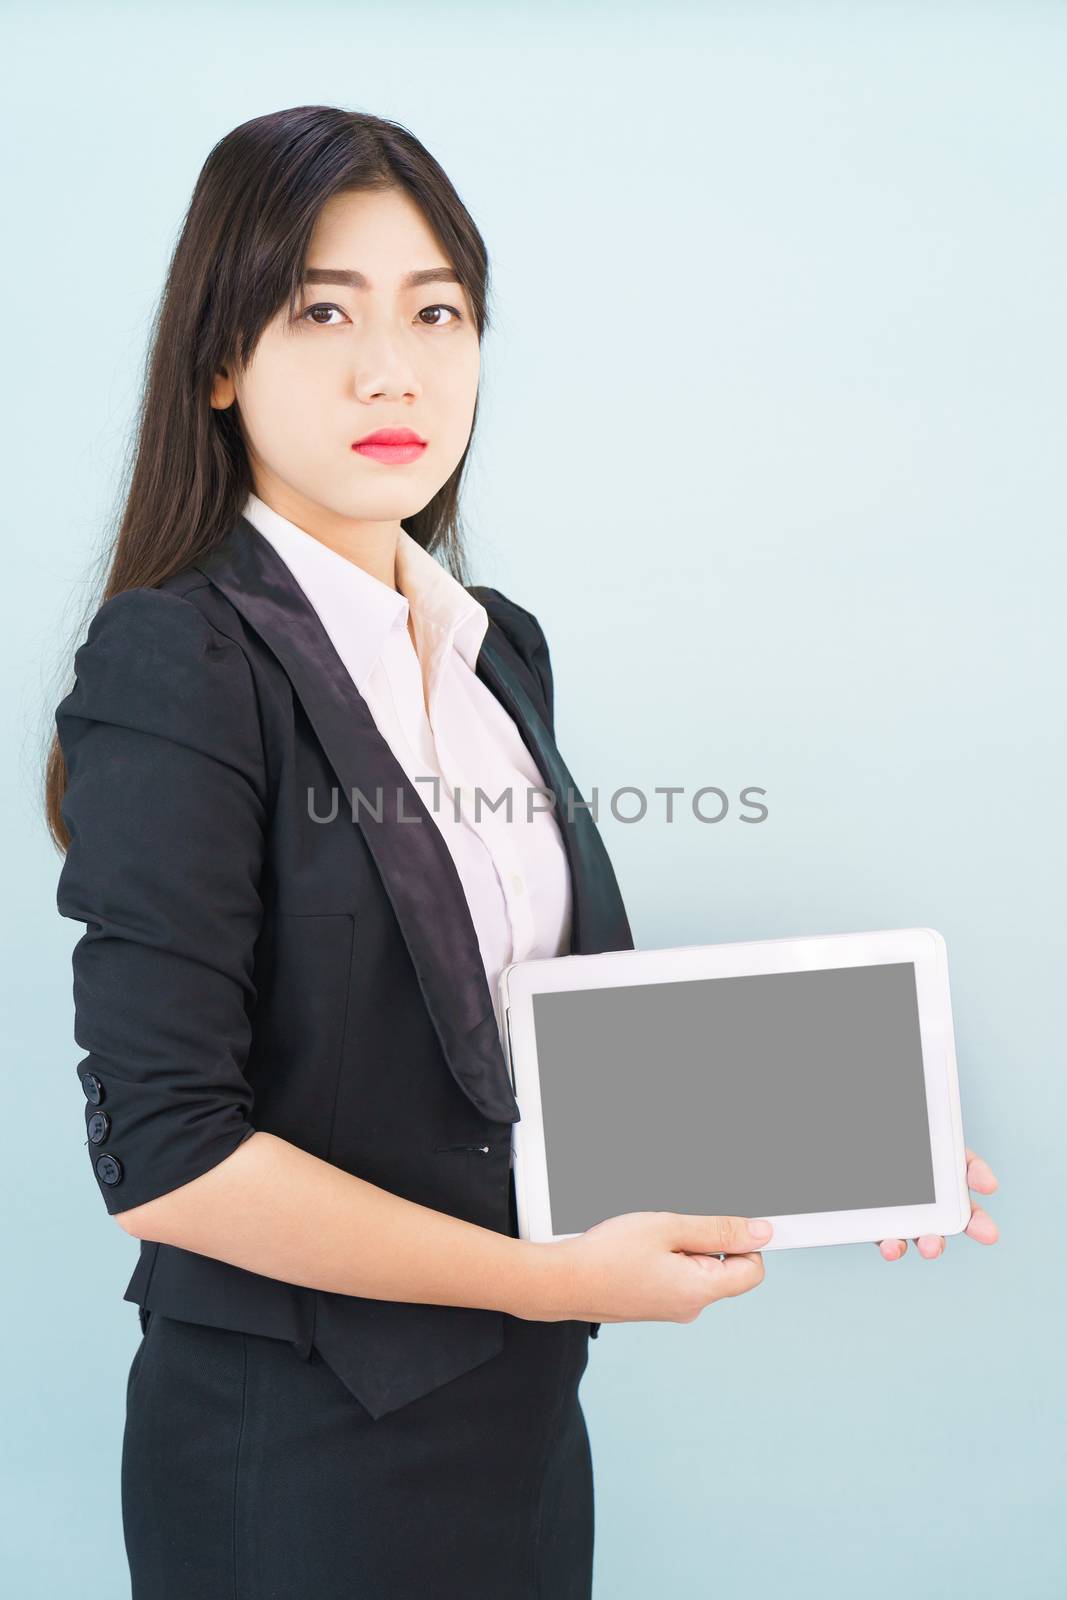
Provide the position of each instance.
(110, 1169)
(94, 1089)
(517, 883)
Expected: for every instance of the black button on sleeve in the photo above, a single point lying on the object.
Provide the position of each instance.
(109, 1169)
(94, 1089)
(98, 1127)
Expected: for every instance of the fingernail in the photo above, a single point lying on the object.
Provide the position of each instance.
(760, 1230)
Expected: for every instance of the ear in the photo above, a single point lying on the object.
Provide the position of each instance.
(223, 393)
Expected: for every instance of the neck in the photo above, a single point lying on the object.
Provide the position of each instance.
(370, 545)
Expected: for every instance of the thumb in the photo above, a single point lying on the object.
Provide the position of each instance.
(708, 1235)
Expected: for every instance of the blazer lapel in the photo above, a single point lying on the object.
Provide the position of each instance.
(414, 862)
(598, 917)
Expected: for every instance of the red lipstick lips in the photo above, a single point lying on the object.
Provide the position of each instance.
(393, 446)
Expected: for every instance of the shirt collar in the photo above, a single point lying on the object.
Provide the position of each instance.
(359, 612)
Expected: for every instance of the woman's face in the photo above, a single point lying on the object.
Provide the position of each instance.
(384, 354)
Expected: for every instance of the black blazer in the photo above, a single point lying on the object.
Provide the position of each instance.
(245, 966)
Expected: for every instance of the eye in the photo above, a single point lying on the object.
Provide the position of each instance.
(458, 315)
(311, 315)
(306, 315)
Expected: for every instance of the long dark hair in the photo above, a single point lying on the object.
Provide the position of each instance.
(240, 255)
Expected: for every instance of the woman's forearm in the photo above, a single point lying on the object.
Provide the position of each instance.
(273, 1208)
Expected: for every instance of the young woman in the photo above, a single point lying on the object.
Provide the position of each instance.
(354, 1377)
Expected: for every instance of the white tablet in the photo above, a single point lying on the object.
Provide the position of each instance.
(811, 1081)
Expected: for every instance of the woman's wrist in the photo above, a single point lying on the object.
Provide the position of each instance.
(544, 1284)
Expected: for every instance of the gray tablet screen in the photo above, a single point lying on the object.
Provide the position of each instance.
(754, 1096)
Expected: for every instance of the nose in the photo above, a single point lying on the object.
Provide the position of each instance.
(383, 367)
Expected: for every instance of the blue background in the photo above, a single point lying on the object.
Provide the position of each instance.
(772, 442)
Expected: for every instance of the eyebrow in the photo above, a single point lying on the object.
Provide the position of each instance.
(358, 280)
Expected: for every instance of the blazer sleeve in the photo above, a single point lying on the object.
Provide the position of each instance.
(166, 807)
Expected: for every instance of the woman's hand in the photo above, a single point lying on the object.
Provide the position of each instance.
(659, 1266)
(981, 1226)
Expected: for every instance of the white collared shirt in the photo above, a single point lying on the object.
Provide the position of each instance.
(442, 722)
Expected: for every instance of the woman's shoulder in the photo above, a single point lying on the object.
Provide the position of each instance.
(157, 659)
(183, 615)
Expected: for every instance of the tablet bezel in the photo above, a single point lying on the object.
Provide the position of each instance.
(923, 947)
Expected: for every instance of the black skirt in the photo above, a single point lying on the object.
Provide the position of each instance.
(250, 1473)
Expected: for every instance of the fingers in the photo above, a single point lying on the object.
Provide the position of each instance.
(982, 1227)
(732, 1276)
(708, 1235)
(980, 1175)
(931, 1245)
